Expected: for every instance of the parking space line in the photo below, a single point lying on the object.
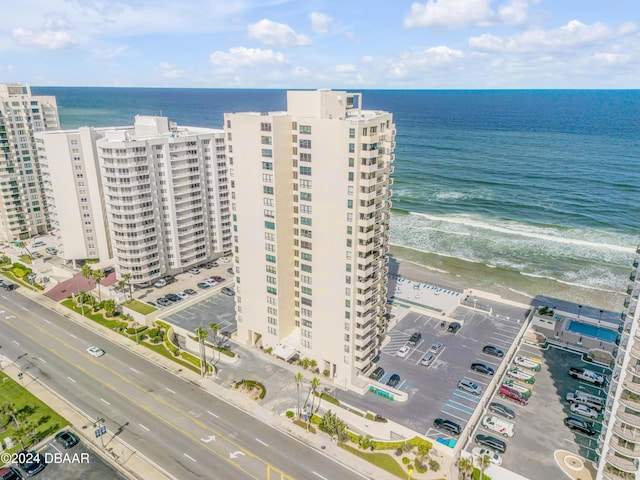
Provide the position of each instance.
(480, 375)
(451, 403)
(464, 419)
(467, 396)
(401, 384)
(498, 334)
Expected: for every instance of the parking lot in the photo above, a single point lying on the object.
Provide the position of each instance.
(217, 308)
(431, 390)
(539, 427)
(81, 463)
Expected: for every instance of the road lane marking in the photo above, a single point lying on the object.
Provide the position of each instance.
(73, 336)
(210, 438)
(104, 401)
(47, 321)
(16, 342)
(317, 474)
(190, 458)
(212, 414)
(42, 360)
(25, 308)
(263, 443)
(170, 390)
(236, 454)
(134, 369)
(71, 379)
(143, 427)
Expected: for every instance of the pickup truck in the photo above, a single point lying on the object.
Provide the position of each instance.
(587, 376)
(592, 401)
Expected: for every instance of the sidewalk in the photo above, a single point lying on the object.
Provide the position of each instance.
(137, 465)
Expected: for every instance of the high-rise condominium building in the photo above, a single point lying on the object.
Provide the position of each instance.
(165, 190)
(310, 204)
(619, 442)
(23, 212)
(74, 193)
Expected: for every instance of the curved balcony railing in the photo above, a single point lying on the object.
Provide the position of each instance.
(632, 386)
(628, 418)
(624, 450)
(624, 464)
(630, 400)
(626, 432)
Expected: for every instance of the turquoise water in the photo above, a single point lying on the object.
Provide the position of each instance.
(589, 330)
(536, 191)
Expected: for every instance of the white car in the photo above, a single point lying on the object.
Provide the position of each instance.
(427, 359)
(224, 260)
(583, 410)
(403, 351)
(481, 452)
(183, 295)
(499, 425)
(95, 351)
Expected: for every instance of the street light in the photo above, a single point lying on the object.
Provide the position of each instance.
(579, 308)
(600, 317)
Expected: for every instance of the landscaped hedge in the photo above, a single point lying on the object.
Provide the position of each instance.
(225, 351)
(327, 398)
(252, 383)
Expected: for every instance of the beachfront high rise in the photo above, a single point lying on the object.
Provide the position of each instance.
(619, 443)
(166, 196)
(74, 193)
(23, 212)
(311, 204)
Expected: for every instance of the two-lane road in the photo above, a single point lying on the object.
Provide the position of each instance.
(183, 429)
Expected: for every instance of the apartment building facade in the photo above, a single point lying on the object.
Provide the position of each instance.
(619, 443)
(311, 205)
(73, 192)
(23, 211)
(166, 196)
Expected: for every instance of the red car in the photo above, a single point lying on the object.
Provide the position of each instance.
(218, 279)
(511, 394)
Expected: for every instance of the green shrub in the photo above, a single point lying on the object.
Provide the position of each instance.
(133, 331)
(316, 419)
(290, 414)
(250, 384)
(355, 438)
(434, 465)
(153, 332)
(414, 442)
(406, 460)
(268, 350)
(225, 351)
(191, 358)
(325, 373)
(302, 424)
(327, 398)
(476, 475)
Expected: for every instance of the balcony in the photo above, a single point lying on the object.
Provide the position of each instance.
(626, 432)
(625, 449)
(632, 386)
(614, 474)
(624, 464)
(630, 400)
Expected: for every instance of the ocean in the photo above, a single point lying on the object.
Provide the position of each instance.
(534, 192)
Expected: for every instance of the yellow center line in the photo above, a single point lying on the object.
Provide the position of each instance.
(149, 410)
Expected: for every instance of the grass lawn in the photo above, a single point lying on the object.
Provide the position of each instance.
(140, 307)
(26, 258)
(34, 411)
(96, 317)
(162, 350)
(382, 460)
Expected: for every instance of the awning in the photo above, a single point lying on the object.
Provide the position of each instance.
(285, 352)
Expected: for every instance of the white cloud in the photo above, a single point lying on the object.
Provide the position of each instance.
(56, 22)
(107, 53)
(345, 68)
(465, 13)
(367, 59)
(574, 34)
(48, 39)
(242, 57)
(273, 33)
(168, 70)
(320, 22)
(301, 72)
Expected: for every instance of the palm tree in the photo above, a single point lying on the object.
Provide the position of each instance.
(483, 462)
(298, 379)
(215, 328)
(423, 453)
(121, 284)
(126, 278)
(201, 336)
(315, 382)
(9, 409)
(98, 276)
(465, 466)
(87, 272)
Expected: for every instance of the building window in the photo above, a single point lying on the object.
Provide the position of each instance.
(269, 247)
(305, 183)
(305, 221)
(267, 178)
(348, 267)
(265, 127)
(305, 129)
(305, 196)
(306, 290)
(271, 269)
(267, 152)
(267, 166)
(305, 143)
(305, 157)
(306, 209)
(270, 225)
(347, 303)
(267, 202)
(267, 190)
(265, 140)
(306, 256)
(272, 290)
(305, 279)
(305, 268)
(350, 176)
(352, 147)
(271, 258)
(270, 236)
(351, 162)
(306, 301)
(305, 170)
(349, 203)
(352, 133)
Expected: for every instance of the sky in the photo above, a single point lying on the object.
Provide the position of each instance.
(394, 44)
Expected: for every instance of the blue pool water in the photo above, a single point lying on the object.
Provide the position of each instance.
(589, 330)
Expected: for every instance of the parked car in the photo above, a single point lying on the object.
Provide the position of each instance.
(10, 473)
(183, 295)
(493, 350)
(394, 380)
(190, 291)
(591, 401)
(37, 244)
(173, 297)
(36, 255)
(513, 384)
(575, 423)
(108, 270)
(511, 394)
(427, 359)
(95, 351)
(447, 425)
(9, 285)
(521, 375)
(218, 279)
(483, 452)
(194, 271)
(454, 327)
(581, 409)
(404, 350)
(164, 302)
(224, 260)
(160, 283)
(207, 265)
(51, 250)
(501, 409)
(377, 374)
(436, 348)
(230, 271)
(415, 339)
(67, 439)
(33, 462)
(470, 387)
(228, 291)
(482, 368)
(204, 285)
(527, 363)
(491, 442)
(499, 425)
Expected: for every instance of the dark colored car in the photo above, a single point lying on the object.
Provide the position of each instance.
(454, 327)
(190, 291)
(204, 285)
(492, 350)
(10, 473)
(580, 425)
(228, 291)
(482, 368)
(66, 439)
(230, 271)
(491, 442)
(218, 278)
(415, 339)
(33, 463)
(394, 380)
(502, 410)
(172, 297)
(377, 374)
(164, 302)
(447, 425)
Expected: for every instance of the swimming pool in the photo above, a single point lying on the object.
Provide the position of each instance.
(594, 331)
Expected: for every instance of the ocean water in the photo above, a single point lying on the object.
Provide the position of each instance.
(532, 191)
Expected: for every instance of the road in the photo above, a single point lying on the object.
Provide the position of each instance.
(182, 428)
